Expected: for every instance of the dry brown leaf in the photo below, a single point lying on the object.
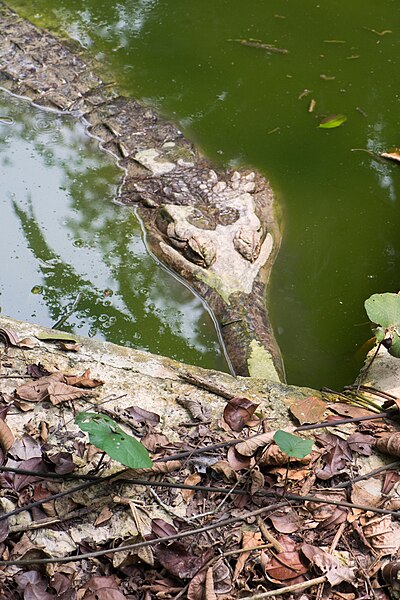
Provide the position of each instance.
(236, 460)
(13, 340)
(286, 520)
(222, 582)
(393, 154)
(367, 493)
(380, 533)
(6, 436)
(37, 391)
(141, 415)
(195, 408)
(284, 567)
(238, 411)
(389, 443)
(250, 446)
(329, 565)
(154, 441)
(308, 410)
(61, 392)
(28, 343)
(70, 346)
(83, 380)
(222, 467)
(250, 539)
(361, 443)
(348, 410)
(328, 516)
(158, 467)
(257, 481)
(192, 479)
(104, 516)
(273, 455)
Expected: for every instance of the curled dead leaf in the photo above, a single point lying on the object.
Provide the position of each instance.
(250, 446)
(12, 339)
(83, 381)
(250, 539)
(195, 408)
(6, 436)
(222, 467)
(389, 443)
(192, 479)
(236, 460)
(286, 520)
(328, 516)
(329, 565)
(238, 411)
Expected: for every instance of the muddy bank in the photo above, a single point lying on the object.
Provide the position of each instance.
(216, 229)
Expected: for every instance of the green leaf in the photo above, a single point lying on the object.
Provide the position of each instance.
(380, 334)
(106, 434)
(332, 121)
(384, 309)
(394, 349)
(292, 445)
(56, 336)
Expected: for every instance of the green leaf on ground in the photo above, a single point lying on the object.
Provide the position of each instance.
(332, 121)
(292, 445)
(58, 336)
(106, 434)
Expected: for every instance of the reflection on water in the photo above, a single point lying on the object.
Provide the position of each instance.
(62, 236)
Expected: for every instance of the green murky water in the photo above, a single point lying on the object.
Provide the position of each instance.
(64, 241)
(247, 106)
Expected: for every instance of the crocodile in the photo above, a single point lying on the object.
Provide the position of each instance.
(217, 229)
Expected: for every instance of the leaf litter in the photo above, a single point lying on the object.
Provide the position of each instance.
(266, 526)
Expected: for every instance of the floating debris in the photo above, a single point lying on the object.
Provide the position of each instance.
(6, 120)
(393, 154)
(380, 33)
(312, 105)
(332, 121)
(304, 93)
(327, 77)
(259, 44)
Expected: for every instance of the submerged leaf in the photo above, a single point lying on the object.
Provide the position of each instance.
(106, 434)
(292, 445)
(332, 121)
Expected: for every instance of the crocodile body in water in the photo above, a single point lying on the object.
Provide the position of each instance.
(216, 229)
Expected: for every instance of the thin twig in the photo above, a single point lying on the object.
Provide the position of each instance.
(368, 475)
(206, 385)
(383, 415)
(147, 543)
(296, 587)
(268, 536)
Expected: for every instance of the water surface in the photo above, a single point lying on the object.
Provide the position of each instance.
(64, 241)
(244, 105)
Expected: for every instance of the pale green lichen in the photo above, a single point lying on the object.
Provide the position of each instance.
(260, 363)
